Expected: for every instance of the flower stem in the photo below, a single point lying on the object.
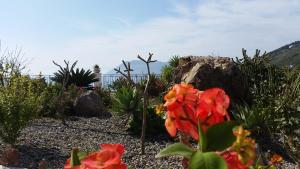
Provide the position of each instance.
(202, 142)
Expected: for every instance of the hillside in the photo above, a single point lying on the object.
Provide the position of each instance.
(140, 67)
(287, 55)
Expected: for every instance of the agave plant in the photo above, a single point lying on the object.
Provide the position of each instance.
(126, 101)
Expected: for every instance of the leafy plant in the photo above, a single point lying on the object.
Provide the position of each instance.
(119, 83)
(54, 107)
(167, 70)
(18, 105)
(155, 124)
(82, 78)
(79, 77)
(105, 95)
(156, 86)
(275, 98)
(126, 101)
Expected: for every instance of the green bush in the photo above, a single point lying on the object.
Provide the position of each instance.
(119, 83)
(105, 95)
(274, 107)
(156, 86)
(155, 124)
(18, 105)
(52, 106)
(275, 95)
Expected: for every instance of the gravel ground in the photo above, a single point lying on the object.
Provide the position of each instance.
(50, 140)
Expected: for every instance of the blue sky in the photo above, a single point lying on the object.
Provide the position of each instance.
(106, 31)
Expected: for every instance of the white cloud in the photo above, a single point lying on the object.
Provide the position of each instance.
(220, 27)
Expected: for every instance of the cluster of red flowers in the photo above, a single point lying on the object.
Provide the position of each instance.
(187, 107)
(108, 157)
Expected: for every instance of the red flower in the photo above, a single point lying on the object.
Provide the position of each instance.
(187, 106)
(212, 107)
(232, 160)
(108, 157)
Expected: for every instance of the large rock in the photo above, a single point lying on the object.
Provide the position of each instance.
(207, 72)
(89, 104)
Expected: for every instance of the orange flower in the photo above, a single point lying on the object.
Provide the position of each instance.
(108, 157)
(181, 94)
(181, 101)
(187, 106)
(276, 159)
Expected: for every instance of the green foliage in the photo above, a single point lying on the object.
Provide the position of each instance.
(82, 77)
(275, 98)
(275, 94)
(176, 149)
(105, 95)
(156, 86)
(174, 61)
(209, 160)
(119, 83)
(220, 136)
(155, 124)
(126, 101)
(18, 105)
(78, 77)
(52, 106)
(167, 70)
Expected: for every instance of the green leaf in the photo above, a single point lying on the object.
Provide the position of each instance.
(176, 149)
(81, 155)
(220, 136)
(75, 158)
(209, 160)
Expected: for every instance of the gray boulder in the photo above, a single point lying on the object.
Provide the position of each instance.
(207, 72)
(89, 104)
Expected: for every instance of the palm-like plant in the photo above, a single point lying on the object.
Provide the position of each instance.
(79, 77)
(82, 77)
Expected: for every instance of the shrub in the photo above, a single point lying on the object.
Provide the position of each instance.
(156, 86)
(119, 83)
(275, 98)
(18, 105)
(52, 106)
(155, 124)
(105, 95)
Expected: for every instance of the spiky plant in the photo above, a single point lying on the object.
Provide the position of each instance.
(126, 101)
(167, 70)
(81, 77)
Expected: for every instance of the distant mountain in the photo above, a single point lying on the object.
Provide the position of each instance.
(286, 55)
(140, 67)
